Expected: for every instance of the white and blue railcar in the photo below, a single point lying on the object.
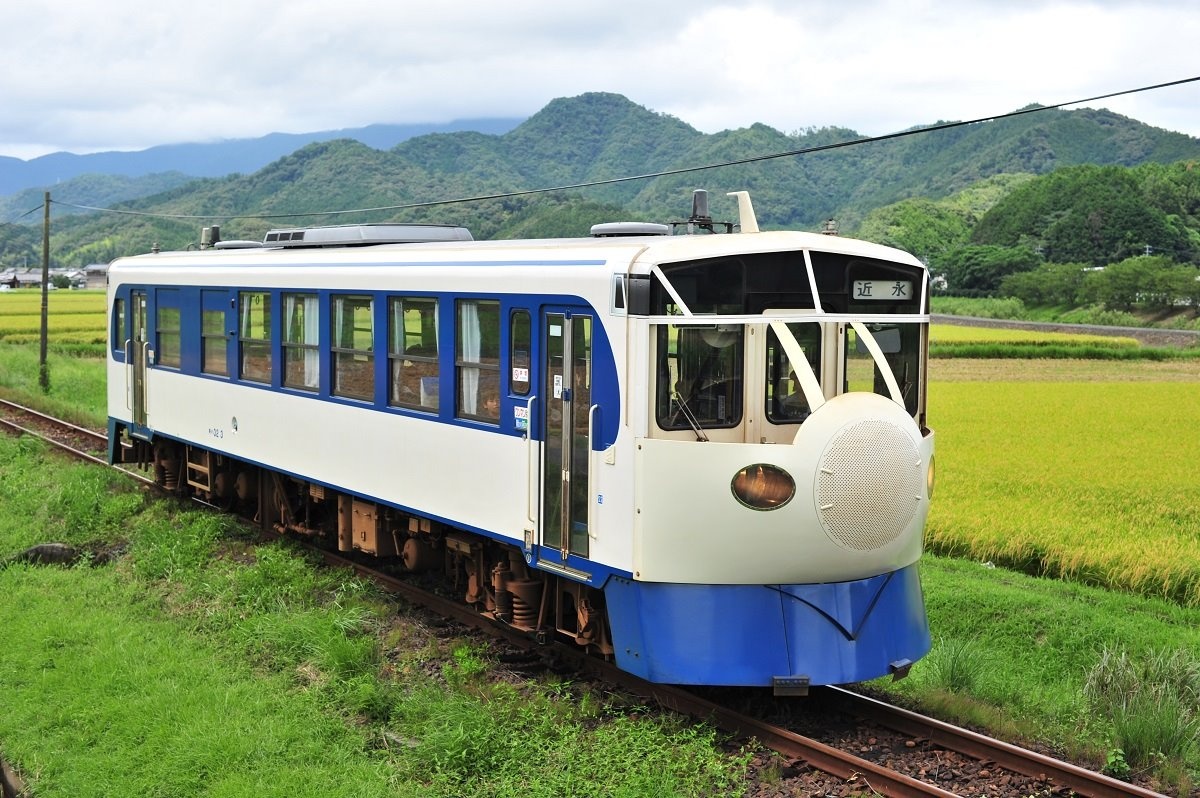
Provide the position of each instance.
(705, 456)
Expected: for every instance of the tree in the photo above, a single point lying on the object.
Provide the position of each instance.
(1150, 281)
(979, 270)
(1048, 284)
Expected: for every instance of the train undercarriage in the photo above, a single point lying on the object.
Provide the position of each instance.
(489, 575)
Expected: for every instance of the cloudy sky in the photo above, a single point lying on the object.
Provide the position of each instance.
(128, 74)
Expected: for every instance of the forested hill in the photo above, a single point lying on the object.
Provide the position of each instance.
(597, 137)
(214, 158)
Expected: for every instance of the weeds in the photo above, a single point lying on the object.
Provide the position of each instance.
(1152, 702)
(955, 665)
(467, 663)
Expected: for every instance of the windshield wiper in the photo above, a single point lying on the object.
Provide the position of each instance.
(690, 417)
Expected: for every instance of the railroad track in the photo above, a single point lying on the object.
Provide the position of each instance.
(1010, 769)
(936, 766)
(79, 442)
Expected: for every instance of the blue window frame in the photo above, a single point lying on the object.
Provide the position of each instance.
(353, 346)
(214, 333)
(413, 370)
(167, 328)
(301, 342)
(477, 365)
(254, 336)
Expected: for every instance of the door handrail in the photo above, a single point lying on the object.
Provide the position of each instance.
(128, 374)
(144, 365)
(591, 513)
(532, 466)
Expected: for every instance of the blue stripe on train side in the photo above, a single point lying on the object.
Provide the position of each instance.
(746, 634)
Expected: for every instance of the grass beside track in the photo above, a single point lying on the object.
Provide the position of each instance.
(1013, 653)
(200, 663)
(106, 696)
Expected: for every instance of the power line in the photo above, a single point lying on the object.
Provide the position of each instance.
(648, 175)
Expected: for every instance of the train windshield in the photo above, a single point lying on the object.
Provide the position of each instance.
(700, 376)
(747, 351)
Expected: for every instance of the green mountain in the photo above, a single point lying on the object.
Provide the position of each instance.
(603, 137)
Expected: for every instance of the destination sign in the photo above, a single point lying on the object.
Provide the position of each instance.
(883, 290)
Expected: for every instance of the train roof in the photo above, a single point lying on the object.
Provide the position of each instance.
(624, 253)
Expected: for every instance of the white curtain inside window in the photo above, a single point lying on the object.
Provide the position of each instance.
(306, 306)
(247, 317)
(311, 331)
(399, 340)
(339, 323)
(471, 340)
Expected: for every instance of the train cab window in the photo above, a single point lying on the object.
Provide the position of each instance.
(413, 352)
(901, 347)
(520, 339)
(167, 327)
(301, 353)
(254, 336)
(214, 344)
(477, 361)
(118, 335)
(786, 403)
(699, 382)
(353, 347)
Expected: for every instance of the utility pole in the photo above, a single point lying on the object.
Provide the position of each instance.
(43, 367)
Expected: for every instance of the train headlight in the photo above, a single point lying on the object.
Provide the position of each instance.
(763, 486)
(930, 474)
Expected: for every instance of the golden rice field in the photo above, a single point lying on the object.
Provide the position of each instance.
(961, 334)
(1089, 472)
(1084, 469)
(73, 317)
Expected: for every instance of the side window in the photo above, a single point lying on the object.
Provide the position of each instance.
(167, 328)
(254, 335)
(353, 347)
(214, 344)
(477, 365)
(520, 336)
(301, 356)
(117, 336)
(413, 352)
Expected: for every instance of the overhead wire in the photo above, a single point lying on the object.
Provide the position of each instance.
(646, 176)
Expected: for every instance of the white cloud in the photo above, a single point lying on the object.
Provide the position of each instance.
(134, 73)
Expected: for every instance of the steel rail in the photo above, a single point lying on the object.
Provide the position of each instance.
(978, 746)
(65, 447)
(71, 450)
(58, 422)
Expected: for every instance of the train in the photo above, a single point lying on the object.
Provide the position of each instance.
(698, 449)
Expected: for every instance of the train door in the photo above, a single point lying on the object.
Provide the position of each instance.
(137, 355)
(566, 450)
